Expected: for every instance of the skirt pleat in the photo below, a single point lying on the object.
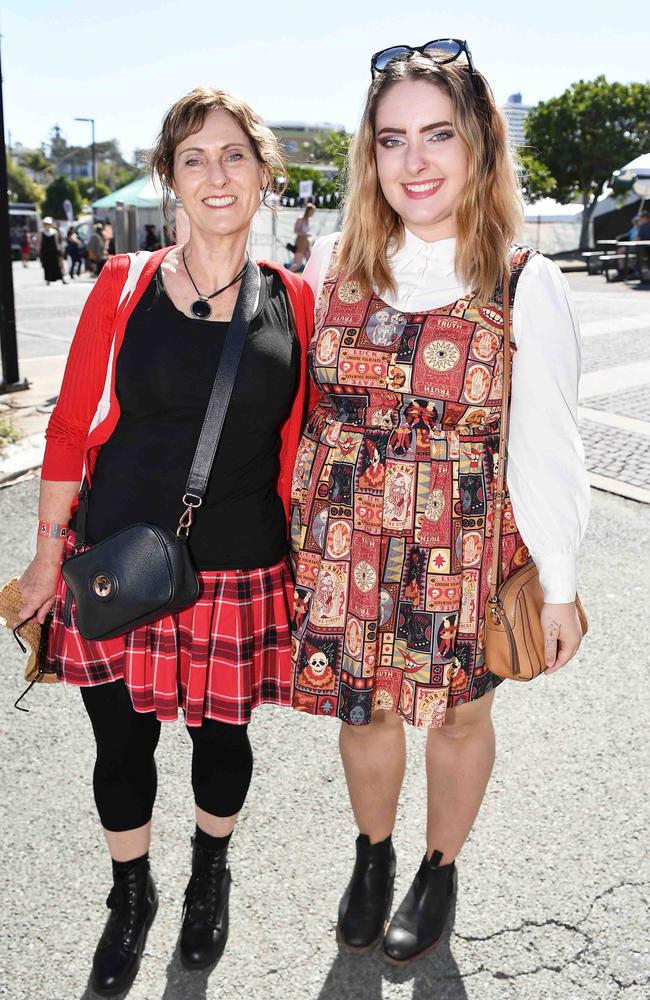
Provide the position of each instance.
(218, 659)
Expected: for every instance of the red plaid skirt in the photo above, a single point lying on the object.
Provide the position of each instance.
(219, 659)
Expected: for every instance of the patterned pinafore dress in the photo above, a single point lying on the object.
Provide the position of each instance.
(393, 504)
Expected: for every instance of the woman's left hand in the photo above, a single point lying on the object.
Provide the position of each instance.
(562, 634)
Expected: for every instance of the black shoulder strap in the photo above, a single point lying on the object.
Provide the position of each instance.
(233, 348)
(215, 416)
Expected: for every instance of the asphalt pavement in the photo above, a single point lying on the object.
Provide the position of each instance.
(554, 881)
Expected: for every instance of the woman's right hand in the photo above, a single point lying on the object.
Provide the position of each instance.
(38, 586)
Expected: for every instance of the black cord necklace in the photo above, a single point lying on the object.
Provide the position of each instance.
(201, 308)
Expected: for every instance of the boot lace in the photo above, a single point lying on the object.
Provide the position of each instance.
(123, 902)
(204, 891)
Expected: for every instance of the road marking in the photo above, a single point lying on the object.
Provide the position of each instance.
(611, 380)
(615, 420)
(41, 333)
(597, 327)
(45, 357)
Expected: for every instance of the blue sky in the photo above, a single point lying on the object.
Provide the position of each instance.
(125, 63)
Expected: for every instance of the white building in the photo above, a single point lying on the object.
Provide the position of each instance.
(516, 112)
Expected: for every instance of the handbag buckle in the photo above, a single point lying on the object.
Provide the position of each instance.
(495, 610)
(192, 503)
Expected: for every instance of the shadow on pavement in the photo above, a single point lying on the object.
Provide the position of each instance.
(352, 976)
(180, 985)
(89, 994)
(185, 985)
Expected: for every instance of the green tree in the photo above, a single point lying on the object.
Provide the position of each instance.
(90, 192)
(331, 147)
(582, 136)
(536, 181)
(21, 188)
(58, 143)
(322, 185)
(56, 193)
(35, 161)
(115, 176)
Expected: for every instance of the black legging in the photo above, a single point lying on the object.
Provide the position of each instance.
(125, 778)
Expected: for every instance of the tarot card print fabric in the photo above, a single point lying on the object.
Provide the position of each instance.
(393, 494)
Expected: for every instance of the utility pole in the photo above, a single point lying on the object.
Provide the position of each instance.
(11, 381)
(94, 158)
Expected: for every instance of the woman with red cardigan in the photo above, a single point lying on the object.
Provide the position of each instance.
(134, 395)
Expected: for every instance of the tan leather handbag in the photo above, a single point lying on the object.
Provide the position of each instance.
(514, 641)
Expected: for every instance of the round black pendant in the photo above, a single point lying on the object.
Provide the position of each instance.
(201, 309)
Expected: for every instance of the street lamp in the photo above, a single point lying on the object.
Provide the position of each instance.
(92, 123)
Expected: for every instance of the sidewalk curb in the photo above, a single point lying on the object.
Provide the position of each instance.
(619, 488)
(24, 456)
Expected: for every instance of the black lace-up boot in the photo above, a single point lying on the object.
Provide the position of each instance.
(205, 913)
(133, 902)
(365, 906)
(420, 919)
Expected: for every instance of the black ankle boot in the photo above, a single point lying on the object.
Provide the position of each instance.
(365, 906)
(419, 921)
(133, 902)
(205, 913)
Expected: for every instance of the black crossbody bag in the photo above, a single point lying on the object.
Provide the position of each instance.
(145, 571)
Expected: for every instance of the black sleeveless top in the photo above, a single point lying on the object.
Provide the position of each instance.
(164, 376)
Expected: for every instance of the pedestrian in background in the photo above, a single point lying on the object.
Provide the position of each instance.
(96, 249)
(302, 245)
(26, 247)
(50, 254)
(230, 652)
(394, 488)
(643, 232)
(73, 251)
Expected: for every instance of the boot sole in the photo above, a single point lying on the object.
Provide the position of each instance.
(366, 947)
(114, 991)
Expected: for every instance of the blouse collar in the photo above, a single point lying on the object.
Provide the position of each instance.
(438, 256)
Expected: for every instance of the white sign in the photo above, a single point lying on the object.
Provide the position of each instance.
(67, 208)
(306, 189)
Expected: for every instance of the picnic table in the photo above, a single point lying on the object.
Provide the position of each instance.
(632, 248)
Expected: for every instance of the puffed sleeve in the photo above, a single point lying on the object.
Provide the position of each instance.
(546, 473)
(318, 263)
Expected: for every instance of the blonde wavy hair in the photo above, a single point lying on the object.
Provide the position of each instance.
(488, 214)
(187, 116)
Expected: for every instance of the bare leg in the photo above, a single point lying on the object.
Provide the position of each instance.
(129, 844)
(374, 758)
(459, 759)
(215, 826)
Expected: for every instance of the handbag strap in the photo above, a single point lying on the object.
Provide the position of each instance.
(233, 348)
(499, 498)
(215, 416)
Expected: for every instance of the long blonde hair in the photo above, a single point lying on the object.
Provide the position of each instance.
(487, 215)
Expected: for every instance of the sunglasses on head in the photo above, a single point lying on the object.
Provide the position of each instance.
(440, 50)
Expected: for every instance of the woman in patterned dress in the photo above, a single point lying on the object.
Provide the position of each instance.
(394, 482)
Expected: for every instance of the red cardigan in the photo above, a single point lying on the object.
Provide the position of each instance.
(87, 410)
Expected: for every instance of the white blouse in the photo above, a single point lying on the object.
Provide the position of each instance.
(546, 473)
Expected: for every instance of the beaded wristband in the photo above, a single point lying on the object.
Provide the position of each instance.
(48, 529)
